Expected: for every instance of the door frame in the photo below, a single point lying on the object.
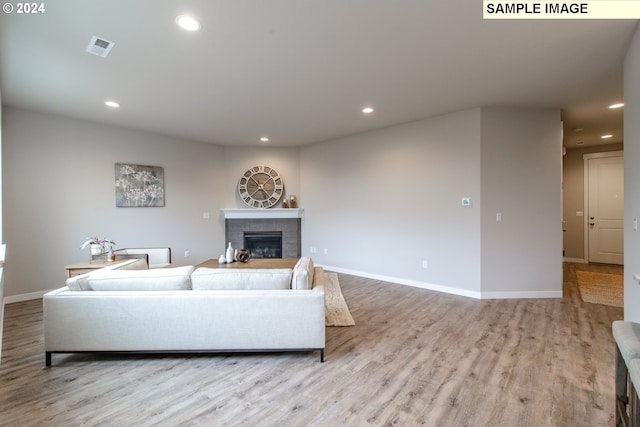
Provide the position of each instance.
(585, 159)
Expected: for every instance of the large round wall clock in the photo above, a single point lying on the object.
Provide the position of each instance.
(261, 187)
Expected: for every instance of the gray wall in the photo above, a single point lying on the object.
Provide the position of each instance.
(382, 202)
(379, 202)
(238, 159)
(59, 189)
(521, 163)
(1, 174)
(1, 242)
(632, 178)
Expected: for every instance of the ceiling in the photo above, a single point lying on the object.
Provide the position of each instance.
(300, 72)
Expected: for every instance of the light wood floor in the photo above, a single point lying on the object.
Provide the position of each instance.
(415, 357)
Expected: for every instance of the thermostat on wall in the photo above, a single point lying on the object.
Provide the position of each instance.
(466, 202)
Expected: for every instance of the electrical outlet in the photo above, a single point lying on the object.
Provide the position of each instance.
(425, 264)
(187, 254)
(312, 250)
(326, 251)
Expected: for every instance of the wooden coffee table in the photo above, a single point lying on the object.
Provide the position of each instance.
(252, 263)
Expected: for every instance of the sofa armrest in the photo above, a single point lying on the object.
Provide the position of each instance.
(318, 278)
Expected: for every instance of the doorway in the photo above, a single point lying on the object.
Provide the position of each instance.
(604, 207)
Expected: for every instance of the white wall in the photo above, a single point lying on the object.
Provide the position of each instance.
(59, 189)
(521, 163)
(632, 178)
(382, 202)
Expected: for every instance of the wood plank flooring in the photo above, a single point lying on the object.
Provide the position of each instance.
(415, 357)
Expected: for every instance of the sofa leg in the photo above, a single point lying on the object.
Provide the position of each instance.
(47, 358)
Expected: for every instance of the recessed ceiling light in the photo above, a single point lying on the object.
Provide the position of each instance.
(606, 136)
(367, 110)
(612, 106)
(188, 23)
(264, 139)
(112, 104)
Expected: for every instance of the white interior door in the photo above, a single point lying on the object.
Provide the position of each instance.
(605, 220)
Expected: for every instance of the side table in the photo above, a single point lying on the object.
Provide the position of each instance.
(85, 267)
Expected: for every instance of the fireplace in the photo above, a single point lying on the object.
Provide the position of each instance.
(257, 222)
(263, 244)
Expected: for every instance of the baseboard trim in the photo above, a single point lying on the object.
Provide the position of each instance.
(576, 260)
(522, 295)
(447, 289)
(406, 282)
(24, 297)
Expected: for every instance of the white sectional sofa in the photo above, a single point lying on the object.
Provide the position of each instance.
(129, 308)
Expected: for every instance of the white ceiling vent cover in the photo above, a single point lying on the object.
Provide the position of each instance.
(99, 46)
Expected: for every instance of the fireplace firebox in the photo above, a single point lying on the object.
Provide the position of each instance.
(263, 244)
(288, 222)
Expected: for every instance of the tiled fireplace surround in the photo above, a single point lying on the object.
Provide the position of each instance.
(288, 221)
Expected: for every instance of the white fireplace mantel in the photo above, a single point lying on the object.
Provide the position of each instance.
(263, 213)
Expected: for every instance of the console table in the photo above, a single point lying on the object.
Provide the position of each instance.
(87, 266)
(99, 261)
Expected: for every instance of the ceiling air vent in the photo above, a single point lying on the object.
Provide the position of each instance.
(100, 47)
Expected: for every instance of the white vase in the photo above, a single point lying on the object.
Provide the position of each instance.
(229, 254)
(96, 249)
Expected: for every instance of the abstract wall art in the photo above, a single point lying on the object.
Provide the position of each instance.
(139, 186)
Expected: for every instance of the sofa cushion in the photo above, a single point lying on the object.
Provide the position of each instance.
(241, 278)
(79, 283)
(178, 278)
(303, 274)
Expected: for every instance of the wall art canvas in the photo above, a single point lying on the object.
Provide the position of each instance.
(139, 186)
